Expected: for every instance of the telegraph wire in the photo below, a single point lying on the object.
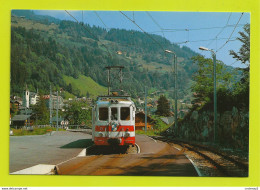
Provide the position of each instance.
(231, 33)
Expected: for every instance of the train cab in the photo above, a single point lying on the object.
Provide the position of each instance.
(113, 121)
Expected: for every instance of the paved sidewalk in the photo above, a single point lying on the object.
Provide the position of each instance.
(27, 151)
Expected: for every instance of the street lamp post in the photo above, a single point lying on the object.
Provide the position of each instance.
(145, 109)
(175, 87)
(215, 90)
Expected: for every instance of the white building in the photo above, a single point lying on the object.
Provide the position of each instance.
(29, 98)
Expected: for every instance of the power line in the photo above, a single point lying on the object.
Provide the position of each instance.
(220, 31)
(233, 63)
(156, 23)
(101, 20)
(231, 33)
(192, 29)
(184, 42)
(143, 30)
(94, 36)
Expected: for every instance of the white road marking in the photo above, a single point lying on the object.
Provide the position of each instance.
(83, 153)
(138, 148)
(194, 165)
(152, 139)
(40, 169)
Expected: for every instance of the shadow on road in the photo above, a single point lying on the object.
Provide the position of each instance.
(81, 143)
(106, 150)
(165, 165)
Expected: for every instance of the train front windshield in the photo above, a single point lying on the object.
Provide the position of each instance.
(103, 114)
(114, 113)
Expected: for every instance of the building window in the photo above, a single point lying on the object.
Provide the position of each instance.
(125, 113)
(103, 114)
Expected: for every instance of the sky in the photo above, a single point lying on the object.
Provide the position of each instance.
(191, 29)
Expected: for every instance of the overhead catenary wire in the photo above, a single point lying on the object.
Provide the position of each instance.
(222, 29)
(192, 29)
(230, 34)
(147, 34)
(93, 35)
(159, 26)
(101, 20)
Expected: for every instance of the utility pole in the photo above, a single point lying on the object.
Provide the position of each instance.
(175, 88)
(108, 80)
(215, 98)
(145, 91)
(50, 106)
(109, 68)
(26, 115)
(215, 91)
(57, 111)
(175, 92)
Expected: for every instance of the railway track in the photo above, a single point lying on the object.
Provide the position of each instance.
(211, 162)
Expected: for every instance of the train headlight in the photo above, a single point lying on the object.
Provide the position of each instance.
(127, 134)
(100, 134)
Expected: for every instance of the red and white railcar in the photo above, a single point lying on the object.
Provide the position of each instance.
(113, 121)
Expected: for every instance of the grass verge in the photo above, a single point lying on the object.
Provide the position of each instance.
(35, 131)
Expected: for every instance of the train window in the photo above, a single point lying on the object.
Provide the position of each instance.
(114, 114)
(125, 113)
(103, 114)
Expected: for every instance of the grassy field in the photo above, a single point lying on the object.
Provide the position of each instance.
(86, 84)
(29, 24)
(35, 131)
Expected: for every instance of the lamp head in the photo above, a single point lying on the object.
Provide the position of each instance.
(203, 48)
(168, 51)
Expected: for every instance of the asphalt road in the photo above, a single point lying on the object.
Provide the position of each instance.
(27, 151)
(155, 159)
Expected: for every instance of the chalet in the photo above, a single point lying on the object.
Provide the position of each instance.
(140, 121)
(21, 120)
(14, 105)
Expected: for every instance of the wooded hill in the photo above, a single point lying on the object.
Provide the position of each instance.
(45, 51)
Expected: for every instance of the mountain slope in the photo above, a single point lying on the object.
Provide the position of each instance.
(58, 52)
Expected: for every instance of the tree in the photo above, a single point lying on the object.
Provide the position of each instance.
(244, 52)
(202, 87)
(77, 113)
(41, 111)
(163, 108)
(241, 91)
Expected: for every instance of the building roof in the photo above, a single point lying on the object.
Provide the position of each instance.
(20, 117)
(168, 120)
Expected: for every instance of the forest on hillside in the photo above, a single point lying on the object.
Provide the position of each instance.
(44, 50)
